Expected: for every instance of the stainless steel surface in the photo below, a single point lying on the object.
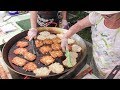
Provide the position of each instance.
(77, 38)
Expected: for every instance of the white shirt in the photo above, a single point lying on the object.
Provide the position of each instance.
(105, 42)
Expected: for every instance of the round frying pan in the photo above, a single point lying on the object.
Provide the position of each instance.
(10, 45)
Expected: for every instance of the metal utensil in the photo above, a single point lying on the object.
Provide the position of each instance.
(9, 47)
(33, 45)
(68, 56)
(114, 72)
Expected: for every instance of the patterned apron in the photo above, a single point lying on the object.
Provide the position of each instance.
(104, 57)
(46, 19)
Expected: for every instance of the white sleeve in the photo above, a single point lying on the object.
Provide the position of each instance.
(94, 17)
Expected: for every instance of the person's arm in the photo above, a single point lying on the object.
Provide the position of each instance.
(64, 19)
(78, 27)
(33, 19)
(74, 29)
(64, 15)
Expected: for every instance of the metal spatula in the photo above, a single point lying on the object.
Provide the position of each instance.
(68, 56)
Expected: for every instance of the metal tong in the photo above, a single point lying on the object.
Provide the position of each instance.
(33, 45)
(68, 56)
(114, 72)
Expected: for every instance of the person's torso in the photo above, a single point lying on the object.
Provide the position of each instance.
(48, 14)
(105, 54)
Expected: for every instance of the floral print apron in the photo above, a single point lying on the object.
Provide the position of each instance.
(106, 47)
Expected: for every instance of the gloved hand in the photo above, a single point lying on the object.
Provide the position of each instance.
(64, 24)
(64, 43)
(32, 33)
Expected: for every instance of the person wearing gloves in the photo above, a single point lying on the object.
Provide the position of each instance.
(45, 19)
(105, 26)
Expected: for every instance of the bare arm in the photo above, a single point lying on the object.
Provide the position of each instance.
(78, 27)
(64, 15)
(33, 19)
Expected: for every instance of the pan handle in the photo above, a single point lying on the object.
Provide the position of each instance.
(114, 72)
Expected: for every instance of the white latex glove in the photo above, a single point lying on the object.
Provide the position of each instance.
(64, 43)
(32, 33)
(64, 23)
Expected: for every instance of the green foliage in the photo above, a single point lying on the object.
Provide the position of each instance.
(85, 33)
(24, 24)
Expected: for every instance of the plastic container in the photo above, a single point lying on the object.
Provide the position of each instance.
(13, 13)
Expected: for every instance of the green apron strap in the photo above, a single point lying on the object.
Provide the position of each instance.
(99, 20)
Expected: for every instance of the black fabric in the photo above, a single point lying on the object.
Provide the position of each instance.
(48, 14)
(65, 5)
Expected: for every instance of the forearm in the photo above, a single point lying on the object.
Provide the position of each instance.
(80, 25)
(33, 19)
(64, 15)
